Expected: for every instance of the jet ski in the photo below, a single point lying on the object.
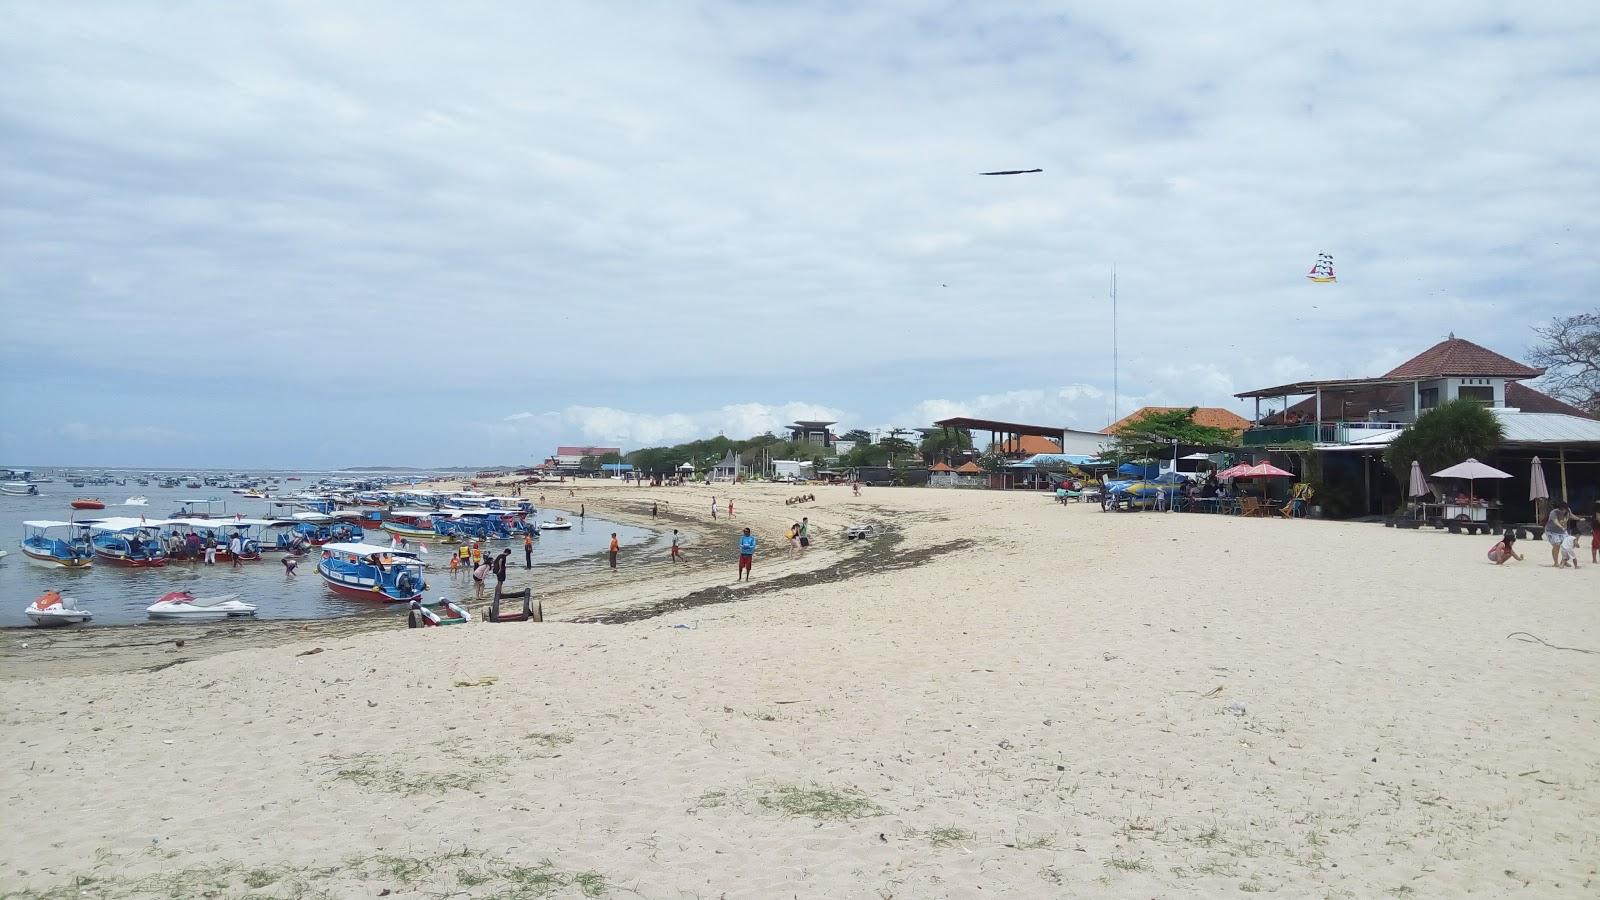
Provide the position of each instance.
(51, 610)
(184, 605)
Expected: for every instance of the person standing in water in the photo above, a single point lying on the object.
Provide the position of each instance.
(615, 548)
(713, 508)
(527, 549)
(654, 509)
(676, 553)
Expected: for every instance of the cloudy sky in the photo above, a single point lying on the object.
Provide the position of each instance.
(389, 233)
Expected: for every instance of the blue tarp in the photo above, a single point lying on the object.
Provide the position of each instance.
(1136, 471)
(616, 467)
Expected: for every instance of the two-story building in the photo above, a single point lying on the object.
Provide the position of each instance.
(1349, 422)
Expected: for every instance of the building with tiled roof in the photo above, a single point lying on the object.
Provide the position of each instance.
(1455, 357)
(1209, 416)
(1025, 445)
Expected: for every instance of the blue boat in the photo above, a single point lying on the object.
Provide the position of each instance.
(370, 572)
(69, 552)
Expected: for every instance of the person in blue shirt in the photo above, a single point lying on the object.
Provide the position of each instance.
(747, 555)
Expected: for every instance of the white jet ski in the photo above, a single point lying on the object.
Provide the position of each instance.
(184, 605)
(52, 610)
(557, 525)
(137, 501)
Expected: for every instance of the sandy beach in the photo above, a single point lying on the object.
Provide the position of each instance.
(997, 696)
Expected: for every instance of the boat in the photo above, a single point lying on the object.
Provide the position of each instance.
(221, 531)
(140, 500)
(131, 543)
(70, 552)
(88, 503)
(19, 489)
(372, 572)
(560, 524)
(410, 523)
(51, 610)
(184, 605)
(442, 612)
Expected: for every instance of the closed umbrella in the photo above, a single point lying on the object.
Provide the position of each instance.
(1536, 486)
(1418, 486)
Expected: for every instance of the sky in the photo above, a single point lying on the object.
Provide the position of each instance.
(327, 235)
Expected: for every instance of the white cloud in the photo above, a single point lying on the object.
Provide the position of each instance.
(632, 429)
(1072, 405)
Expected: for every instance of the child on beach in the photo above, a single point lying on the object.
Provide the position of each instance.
(730, 509)
(676, 553)
(805, 532)
(794, 538)
(1569, 551)
(455, 564)
(1594, 535)
(1505, 550)
(747, 555)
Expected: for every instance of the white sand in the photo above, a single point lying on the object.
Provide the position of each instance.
(1028, 717)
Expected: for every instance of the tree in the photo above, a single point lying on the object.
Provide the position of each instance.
(945, 443)
(1569, 351)
(1449, 433)
(1154, 431)
(858, 435)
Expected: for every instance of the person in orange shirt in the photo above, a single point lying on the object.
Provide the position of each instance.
(527, 549)
(477, 554)
(614, 548)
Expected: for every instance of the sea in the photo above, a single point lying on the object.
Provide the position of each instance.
(119, 596)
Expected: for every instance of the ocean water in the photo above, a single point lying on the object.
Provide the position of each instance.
(119, 596)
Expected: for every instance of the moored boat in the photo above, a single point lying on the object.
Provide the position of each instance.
(560, 524)
(51, 610)
(130, 543)
(410, 524)
(371, 572)
(69, 552)
(19, 489)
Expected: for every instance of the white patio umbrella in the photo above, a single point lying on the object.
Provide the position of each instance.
(1537, 490)
(1418, 487)
(1471, 470)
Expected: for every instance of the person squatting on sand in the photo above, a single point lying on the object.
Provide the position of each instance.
(1506, 549)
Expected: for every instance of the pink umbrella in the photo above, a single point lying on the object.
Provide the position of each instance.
(1263, 470)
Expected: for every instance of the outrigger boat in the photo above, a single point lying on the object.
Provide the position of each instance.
(19, 489)
(371, 572)
(411, 523)
(250, 532)
(133, 543)
(71, 552)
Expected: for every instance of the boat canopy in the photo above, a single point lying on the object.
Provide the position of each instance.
(226, 523)
(312, 517)
(124, 523)
(368, 549)
(47, 523)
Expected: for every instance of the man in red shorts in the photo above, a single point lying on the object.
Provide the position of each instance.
(747, 555)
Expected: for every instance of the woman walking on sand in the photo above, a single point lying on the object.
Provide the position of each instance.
(1555, 530)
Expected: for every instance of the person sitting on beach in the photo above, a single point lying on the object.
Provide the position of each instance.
(1505, 550)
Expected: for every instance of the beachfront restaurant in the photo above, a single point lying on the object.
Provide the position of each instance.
(1342, 427)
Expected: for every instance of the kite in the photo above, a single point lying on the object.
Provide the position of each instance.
(1012, 172)
(1322, 272)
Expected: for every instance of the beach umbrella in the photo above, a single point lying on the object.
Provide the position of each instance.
(1471, 470)
(1418, 486)
(1231, 472)
(1537, 490)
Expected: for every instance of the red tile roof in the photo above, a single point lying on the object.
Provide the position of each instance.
(970, 468)
(1210, 416)
(1461, 358)
(1028, 444)
(940, 467)
(1520, 396)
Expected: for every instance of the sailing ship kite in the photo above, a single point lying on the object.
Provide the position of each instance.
(1322, 272)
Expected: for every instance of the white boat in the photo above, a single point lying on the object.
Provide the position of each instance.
(51, 610)
(557, 525)
(19, 489)
(184, 605)
(137, 501)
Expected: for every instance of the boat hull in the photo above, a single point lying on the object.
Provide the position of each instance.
(87, 504)
(409, 531)
(130, 563)
(364, 592)
(46, 619)
(40, 556)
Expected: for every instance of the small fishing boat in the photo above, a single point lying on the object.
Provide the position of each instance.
(88, 503)
(51, 610)
(184, 605)
(372, 572)
(410, 524)
(140, 500)
(441, 612)
(19, 489)
(70, 552)
(131, 543)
